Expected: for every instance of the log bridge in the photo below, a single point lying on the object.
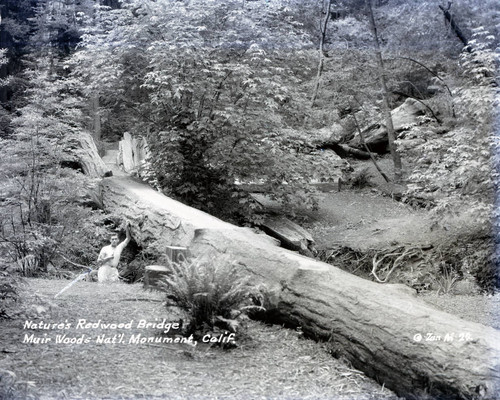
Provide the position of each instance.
(384, 330)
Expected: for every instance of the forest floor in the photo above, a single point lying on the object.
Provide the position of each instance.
(269, 363)
(369, 217)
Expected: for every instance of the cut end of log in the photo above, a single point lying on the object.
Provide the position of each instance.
(153, 274)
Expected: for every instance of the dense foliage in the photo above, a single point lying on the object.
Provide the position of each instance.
(43, 215)
(210, 85)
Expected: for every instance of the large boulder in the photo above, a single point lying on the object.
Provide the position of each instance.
(403, 118)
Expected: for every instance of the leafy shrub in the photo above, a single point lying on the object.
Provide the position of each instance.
(208, 290)
(484, 266)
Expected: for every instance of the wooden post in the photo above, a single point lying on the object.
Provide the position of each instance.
(177, 254)
(154, 273)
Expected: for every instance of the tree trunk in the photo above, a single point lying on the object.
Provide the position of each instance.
(97, 119)
(454, 25)
(321, 62)
(362, 138)
(374, 326)
(385, 92)
(344, 150)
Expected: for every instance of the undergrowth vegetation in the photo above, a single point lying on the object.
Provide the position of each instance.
(214, 294)
(9, 289)
(469, 260)
(361, 178)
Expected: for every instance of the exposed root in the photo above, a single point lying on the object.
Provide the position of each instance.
(400, 256)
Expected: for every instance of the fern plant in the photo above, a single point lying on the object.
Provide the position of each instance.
(446, 278)
(210, 288)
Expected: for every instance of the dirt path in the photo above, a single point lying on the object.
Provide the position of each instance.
(273, 363)
(363, 219)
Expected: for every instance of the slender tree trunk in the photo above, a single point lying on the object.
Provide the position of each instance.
(454, 25)
(97, 119)
(385, 92)
(321, 62)
(361, 136)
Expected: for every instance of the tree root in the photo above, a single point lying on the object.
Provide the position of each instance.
(400, 255)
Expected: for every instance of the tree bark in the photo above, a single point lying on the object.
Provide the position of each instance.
(291, 235)
(385, 92)
(374, 326)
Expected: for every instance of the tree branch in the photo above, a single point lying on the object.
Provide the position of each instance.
(361, 136)
(421, 102)
(436, 76)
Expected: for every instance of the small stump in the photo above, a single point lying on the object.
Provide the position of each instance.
(153, 274)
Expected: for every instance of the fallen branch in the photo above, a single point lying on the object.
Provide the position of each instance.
(361, 136)
(437, 77)
(455, 26)
(71, 262)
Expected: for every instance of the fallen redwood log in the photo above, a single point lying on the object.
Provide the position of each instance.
(376, 327)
